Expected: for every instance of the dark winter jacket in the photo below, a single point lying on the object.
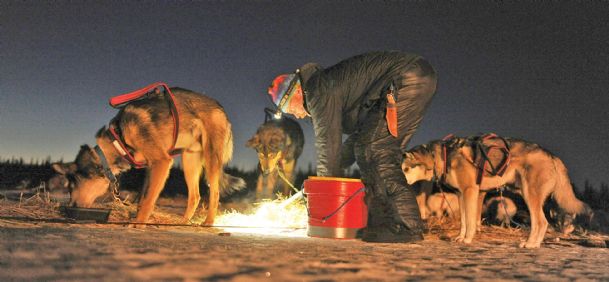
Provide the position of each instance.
(339, 96)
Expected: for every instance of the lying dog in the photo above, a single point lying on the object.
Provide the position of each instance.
(529, 167)
(443, 204)
(424, 190)
(279, 143)
(431, 202)
(146, 127)
(499, 210)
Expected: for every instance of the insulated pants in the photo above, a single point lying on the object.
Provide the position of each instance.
(379, 155)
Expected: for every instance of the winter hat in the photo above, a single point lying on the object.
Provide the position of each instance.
(283, 88)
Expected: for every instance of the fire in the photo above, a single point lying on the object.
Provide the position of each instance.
(285, 217)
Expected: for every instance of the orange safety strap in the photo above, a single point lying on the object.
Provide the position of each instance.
(392, 113)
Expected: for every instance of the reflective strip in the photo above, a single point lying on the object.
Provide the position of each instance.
(119, 148)
(332, 232)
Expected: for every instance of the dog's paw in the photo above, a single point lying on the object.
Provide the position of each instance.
(458, 239)
(137, 226)
(528, 245)
(208, 222)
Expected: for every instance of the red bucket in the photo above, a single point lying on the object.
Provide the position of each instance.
(336, 207)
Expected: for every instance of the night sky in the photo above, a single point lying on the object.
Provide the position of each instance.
(537, 71)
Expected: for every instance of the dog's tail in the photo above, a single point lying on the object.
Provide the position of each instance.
(563, 192)
(230, 184)
(228, 145)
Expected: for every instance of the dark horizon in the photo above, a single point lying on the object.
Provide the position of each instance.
(537, 71)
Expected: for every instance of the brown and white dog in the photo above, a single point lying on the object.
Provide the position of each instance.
(147, 126)
(279, 143)
(530, 168)
(443, 204)
(499, 210)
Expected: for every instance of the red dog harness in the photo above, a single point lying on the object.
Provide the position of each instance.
(445, 152)
(485, 160)
(123, 100)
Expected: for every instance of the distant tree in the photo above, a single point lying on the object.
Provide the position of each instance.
(589, 195)
(603, 197)
(48, 161)
(15, 171)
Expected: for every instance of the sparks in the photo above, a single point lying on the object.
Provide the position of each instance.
(284, 217)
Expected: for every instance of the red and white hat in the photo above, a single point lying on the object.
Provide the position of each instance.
(283, 89)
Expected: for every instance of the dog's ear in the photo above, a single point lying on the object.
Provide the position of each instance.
(100, 132)
(288, 140)
(253, 142)
(88, 151)
(59, 168)
(408, 155)
(64, 169)
(425, 147)
(552, 213)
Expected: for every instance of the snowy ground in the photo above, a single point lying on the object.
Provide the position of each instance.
(93, 252)
(59, 251)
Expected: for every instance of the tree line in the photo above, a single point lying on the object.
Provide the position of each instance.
(15, 173)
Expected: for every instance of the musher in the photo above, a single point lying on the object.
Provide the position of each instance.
(379, 100)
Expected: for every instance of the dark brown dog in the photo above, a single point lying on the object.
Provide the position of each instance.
(279, 143)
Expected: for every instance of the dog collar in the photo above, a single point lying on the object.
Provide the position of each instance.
(105, 165)
(121, 148)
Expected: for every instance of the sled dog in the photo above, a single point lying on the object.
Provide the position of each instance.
(279, 143)
(443, 204)
(57, 182)
(528, 167)
(499, 210)
(423, 190)
(145, 127)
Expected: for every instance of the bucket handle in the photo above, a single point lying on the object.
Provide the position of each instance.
(323, 219)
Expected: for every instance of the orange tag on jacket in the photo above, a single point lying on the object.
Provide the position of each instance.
(392, 115)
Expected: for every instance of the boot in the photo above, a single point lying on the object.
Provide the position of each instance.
(406, 210)
(377, 211)
(391, 233)
(382, 226)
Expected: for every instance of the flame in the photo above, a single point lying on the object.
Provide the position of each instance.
(285, 217)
